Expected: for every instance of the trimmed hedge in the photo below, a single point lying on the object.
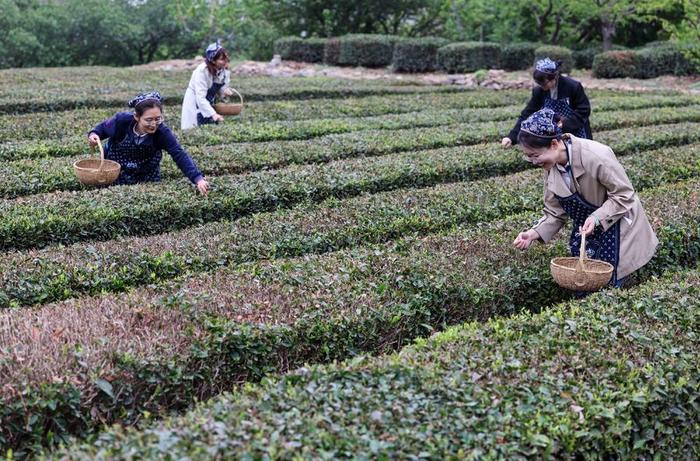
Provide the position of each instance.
(368, 50)
(49, 174)
(300, 49)
(556, 53)
(613, 376)
(92, 268)
(417, 54)
(383, 297)
(468, 56)
(651, 62)
(331, 51)
(47, 126)
(70, 88)
(121, 210)
(662, 59)
(615, 64)
(518, 56)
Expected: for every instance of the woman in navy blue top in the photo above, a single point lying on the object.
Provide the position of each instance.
(563, 95)
(136, 142)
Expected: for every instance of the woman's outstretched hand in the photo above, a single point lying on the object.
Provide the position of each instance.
(203, 186)
(525, 239)
(506, 142)
(228, 92)
(93, 139)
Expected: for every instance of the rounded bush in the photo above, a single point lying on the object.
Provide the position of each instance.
(469, 56)
(417, 54)
(556, 53)
(615, 64)
(299, 49)
(331, 51)
(518, 56)
(662, 59)
(366, 50)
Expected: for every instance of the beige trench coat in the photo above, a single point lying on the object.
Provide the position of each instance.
(601, 180)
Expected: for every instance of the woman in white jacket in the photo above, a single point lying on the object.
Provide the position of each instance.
(209, 79)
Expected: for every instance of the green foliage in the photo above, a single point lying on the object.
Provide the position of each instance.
(589, 378)
(331, 52)
(468, 56)
(615, 64)
(558, 54)
(417, 55)
(654, 61)
(518, 56)
(366, 50)
(299, 49)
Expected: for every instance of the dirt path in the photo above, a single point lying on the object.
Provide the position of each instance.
(494, 79)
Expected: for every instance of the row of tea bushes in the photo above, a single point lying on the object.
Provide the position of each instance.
(269, 316)
(224, 136)
(51, 125)
(145, 209)
(70, 89)
(58, 273)
(41, 175)
(610, 376)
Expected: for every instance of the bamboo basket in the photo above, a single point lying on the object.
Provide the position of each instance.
(582, 273)
(97, 171)
(223, 108)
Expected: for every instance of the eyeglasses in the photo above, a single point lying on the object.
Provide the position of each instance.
(152, 121)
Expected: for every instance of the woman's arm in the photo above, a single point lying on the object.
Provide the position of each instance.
(621, 195)
(536, 102)
(181, 157)
(582, 108)
(554, 216)
(105, 129)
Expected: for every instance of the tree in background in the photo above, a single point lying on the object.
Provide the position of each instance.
(683, 26)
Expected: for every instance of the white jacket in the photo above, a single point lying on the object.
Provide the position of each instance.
(196, 95)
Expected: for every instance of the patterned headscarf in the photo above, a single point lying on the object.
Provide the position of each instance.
(211, 51)
(546, 66)
(154, 95)
(542, 124)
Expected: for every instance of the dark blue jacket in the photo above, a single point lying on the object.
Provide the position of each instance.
(116, 128)
(566, 88)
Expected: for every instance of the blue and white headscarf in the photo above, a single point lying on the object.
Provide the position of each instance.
(211, 51)
(542, 124)
(154, 95)
(546, 66)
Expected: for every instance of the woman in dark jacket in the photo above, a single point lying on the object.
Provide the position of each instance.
(136, 142)
(564, 95)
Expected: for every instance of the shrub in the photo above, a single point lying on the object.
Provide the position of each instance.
(299, 49)
(662, 59)
(469, 56)
(366, 50)
(556, 53)
(331, 51)
(518, 56)
(615, 64)
(417, 55)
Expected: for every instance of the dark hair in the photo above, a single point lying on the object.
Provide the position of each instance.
(222, 53)
(146, 104)
(533, 141)
(541, 77)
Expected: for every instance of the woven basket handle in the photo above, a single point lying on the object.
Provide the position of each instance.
(582, 255)
(102, 154)
(237, 94)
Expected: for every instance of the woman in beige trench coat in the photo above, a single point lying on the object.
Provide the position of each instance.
(584, 181)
